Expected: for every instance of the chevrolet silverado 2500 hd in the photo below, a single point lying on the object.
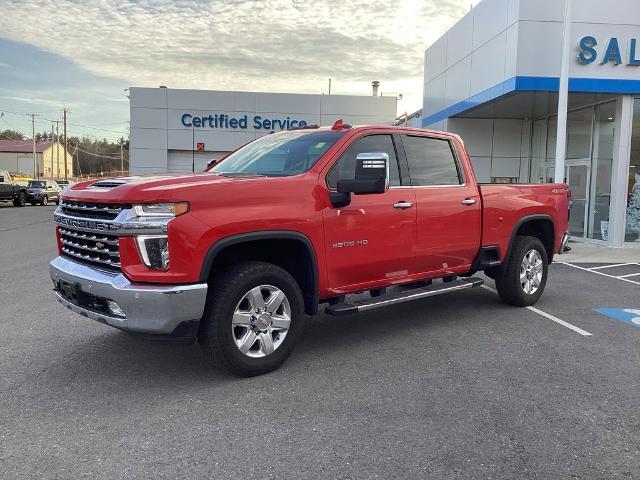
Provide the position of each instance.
(238, 256)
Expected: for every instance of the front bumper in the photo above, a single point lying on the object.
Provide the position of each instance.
(153, 309)
(34, 196)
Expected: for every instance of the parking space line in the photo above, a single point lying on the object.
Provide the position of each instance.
(630, 275)
(600, 273)
(613, 266)
(548, 316)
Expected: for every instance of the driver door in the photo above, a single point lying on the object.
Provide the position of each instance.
(371, 240)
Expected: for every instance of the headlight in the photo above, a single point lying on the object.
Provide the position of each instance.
(154, 251)
(161, 209)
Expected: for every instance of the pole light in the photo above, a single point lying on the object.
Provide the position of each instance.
(563, 96)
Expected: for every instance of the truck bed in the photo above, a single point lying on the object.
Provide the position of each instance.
(505, 207)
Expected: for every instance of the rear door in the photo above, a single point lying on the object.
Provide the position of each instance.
(371, 240)
(448, 205)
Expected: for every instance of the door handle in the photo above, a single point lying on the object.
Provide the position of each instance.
(469, 201)
(403, 205)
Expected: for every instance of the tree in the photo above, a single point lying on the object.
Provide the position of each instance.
(633, 210)
(11, 135)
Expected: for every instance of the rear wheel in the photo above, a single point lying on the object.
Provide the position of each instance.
(253, 318)
(20, 200)
(525, 277)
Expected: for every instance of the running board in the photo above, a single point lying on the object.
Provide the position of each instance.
(406, 296)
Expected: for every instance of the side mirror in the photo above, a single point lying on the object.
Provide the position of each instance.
(371, 176)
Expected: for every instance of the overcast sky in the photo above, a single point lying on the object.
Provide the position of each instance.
(83, 54)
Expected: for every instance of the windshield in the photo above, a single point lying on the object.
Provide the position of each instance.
(280, 154)
(36, 184)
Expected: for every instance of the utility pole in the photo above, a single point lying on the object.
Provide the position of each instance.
(65, 145)
(33, 141)
(52, 139)
(58, 146)
(329, 86)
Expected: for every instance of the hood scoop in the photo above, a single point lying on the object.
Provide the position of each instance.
(110, 183)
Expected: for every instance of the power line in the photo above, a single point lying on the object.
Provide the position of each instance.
(96, 128)
(97, 155)
(75, 124)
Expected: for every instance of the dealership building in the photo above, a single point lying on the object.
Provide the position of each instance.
(494, 79)
(176, 130)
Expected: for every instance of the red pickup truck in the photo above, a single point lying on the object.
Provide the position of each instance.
(238, 256)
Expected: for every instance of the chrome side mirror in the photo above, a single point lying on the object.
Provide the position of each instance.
(371, 175)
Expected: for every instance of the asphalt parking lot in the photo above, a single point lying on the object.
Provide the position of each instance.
(457, 386)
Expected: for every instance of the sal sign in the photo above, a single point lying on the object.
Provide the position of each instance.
(612, 51)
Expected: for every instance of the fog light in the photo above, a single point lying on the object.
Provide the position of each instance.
(115, 308)
(154, 251)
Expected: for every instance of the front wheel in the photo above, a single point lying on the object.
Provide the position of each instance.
(21, 200)
(253, 318)
(525, 277)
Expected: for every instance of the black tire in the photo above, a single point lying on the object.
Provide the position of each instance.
(225, 292)
(45, 201)
(58, 201)
(21, 200)
(508, 284)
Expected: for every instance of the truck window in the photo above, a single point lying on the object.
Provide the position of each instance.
(279, 154)
(431, 161)
(345, 167)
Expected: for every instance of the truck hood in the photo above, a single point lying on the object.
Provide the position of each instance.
(144, 188)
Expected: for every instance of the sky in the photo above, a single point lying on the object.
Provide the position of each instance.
(83, 55)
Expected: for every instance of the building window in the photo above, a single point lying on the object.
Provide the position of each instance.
(633, 198)
(588, 164)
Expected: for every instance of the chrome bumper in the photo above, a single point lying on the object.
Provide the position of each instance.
(563, 244)
(155, 309)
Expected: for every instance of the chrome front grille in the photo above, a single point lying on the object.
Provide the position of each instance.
(94, 248)
(105, 211)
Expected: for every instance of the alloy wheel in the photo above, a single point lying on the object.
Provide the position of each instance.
(531, 271)
(261, 321)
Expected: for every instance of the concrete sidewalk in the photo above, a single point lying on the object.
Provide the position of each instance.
(587, 253)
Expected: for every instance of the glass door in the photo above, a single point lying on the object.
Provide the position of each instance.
(578, 180)
(577, 175)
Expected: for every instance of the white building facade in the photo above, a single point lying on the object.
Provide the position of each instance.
(494, 79)
(175, 130)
